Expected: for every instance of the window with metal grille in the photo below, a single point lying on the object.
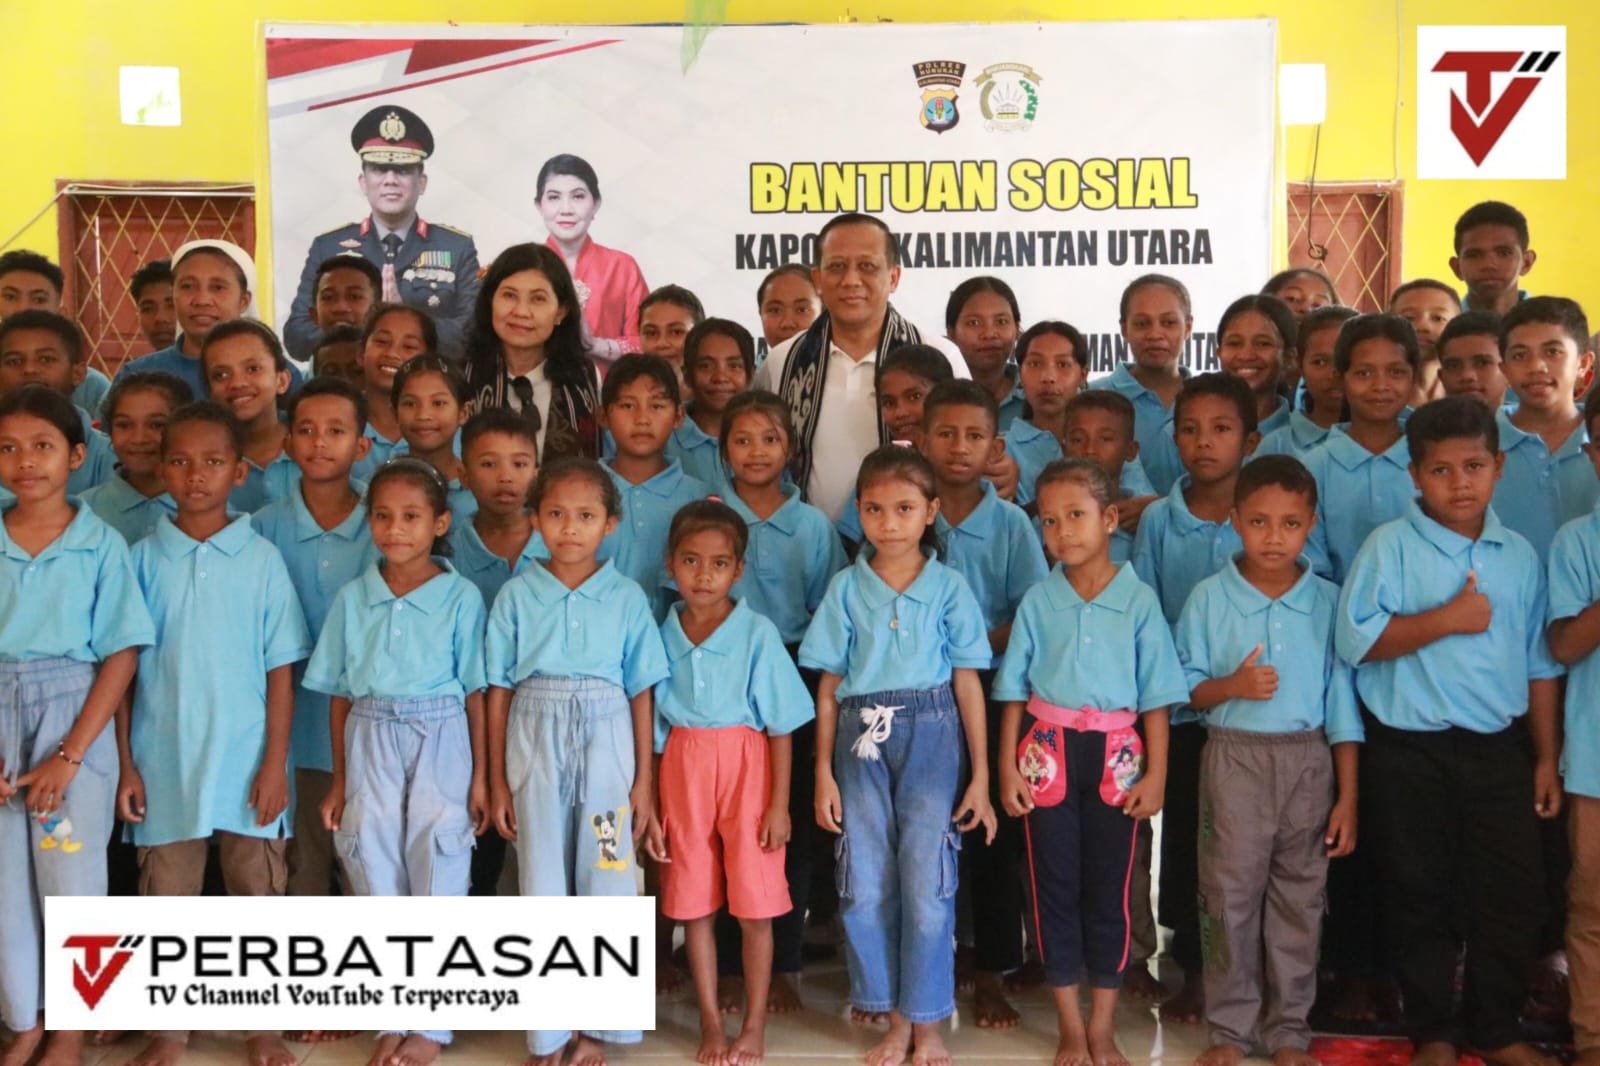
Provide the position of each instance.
(1349, 231)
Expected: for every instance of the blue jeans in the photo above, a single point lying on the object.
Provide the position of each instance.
(898, 773)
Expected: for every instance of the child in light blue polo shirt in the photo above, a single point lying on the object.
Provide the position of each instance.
(1100, 426)
(246, 371)
(1548, 481)
(321, 531)
(719, 359)
(1256, 641)
(431, 400)
(1323, 403)
(137, 409)
(1157, 318)
(640, 406)
(499, 540)
(394, 333)
(1256, 343)
(43, 347)
(1443, 614)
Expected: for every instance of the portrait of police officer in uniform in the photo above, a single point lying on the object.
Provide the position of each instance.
(424, 264)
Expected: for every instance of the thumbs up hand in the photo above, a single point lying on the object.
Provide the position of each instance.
(1469, 610)
(1252, 681)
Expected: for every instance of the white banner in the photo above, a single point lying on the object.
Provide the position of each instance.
(1066, 158)
(350, 963)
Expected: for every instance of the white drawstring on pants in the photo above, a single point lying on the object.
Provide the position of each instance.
(877, 722)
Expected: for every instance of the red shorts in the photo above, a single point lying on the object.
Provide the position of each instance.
(715, 786)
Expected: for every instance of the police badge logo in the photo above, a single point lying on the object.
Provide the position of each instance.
(1009, 97)
(939, 79)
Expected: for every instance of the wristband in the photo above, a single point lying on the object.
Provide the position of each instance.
(61, 750)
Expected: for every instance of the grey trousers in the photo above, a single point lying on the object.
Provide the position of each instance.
(1264, 805)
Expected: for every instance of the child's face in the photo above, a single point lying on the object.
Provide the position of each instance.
(136, 427)
(788, 306)
(985, 331)
(573, 520)
(1050, 375)
(1273, 524)
(758, 450)
(38, 356)
(395, 338)
(1157, 327)
(499, 470)
(894, 512)
(1456, 478)
(1545, 367)
(960, 442)
(158, 315)
(717, 373)
(1379, 380)
(1076, 528)
(642, 417)
(35, 459)
(1251, 350)
(404, 523)
(428, 412)
(344, 296)
(1212, 443)
(323, 439)
(1303, 293)
(705, 567)
(1319, 371)
(900, 396)
(662, 329)
(1470, 366)
(525, 310)
(242, 374)
(1102, 438)
(1491, 261)
(199, 467)
(23, 290)
(342, 361)
(1428, 310)
(207, 292)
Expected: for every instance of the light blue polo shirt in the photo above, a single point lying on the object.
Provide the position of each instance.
(428, 642)
(91, 391)
(1296, 437)
(172, 360)
(602, 629)
(320, 563)
(1152, 426)
(792, 556)
(1224, 621)
(99, 461)
(996, 550)
(225, 615)
(1174, 551)
(1033, 449)
(1356, 493)
(1111, 653)
(698, 452)
(383, 449)
(738, 676)
(1010, 408)
(77, 599)
(1538, 492)
(1280, 418)
(126, 509)
(265, 484)
(1475, 681)
(475, 562)
(879, 640)
(639, 543)
(462, 503)
(1574, 585)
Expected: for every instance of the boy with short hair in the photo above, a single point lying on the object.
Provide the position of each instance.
(1469, 358)
(1429, 306)
(665, 318)
(1100, 427)
(151, 289)
(1256, 640)
(719, 359)
(246, 371)
(320, 529)
(346, 289)
(1443, 615)
(992, 544)
(135, 495)
(1548, 481)
(1492, 255)
(29, 281)
(338, 355)
(47, 348)
(1574, 637)
(1184, 538)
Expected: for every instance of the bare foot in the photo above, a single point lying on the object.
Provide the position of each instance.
(1073, 1048)
(63, 1048)
(868, 1017)
(318, 1036)
(1590, 1057)
(891, 1050)
(385, 1049)
(1138, 983)
(668, 977)
(588, 1051)
(993, 1009)
(1435, 1053)
(966, 969)
(415, 1050)
(1031, 975)
(784, 995)
(713, 1044)
(268, 1049)
(106, 1037)
(730, 994)
(552, 1059)
(1103, 1049)
(1220, 1055)
(1293, 1056)
(1518, 1054)
(161, 1051)
(928, 1045)
(750, 1049)
(22, 1047)
(1189, 1004)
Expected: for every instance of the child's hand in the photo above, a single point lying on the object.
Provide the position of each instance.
(270, 794)
(1129, 511)
(478, 805)
(130, 795)
(1469, 611)
(1145, 798)
(7, 789)
(1014, 794)
(1252, 682)
(1546, 788)
(655, 840)
(829, 808)
(47, 784)
(502, 812)
(1003, 474)
(975, 810)
(642, 807)
(1341, 836)
(332, 807)
(775, 828)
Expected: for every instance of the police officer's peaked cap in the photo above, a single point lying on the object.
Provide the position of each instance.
(391, 134)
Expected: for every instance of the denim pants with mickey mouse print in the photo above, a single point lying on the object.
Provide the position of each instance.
(60, 853)
(897, 758)
(570, 766)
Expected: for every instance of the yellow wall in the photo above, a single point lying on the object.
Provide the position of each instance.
(60, 119)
